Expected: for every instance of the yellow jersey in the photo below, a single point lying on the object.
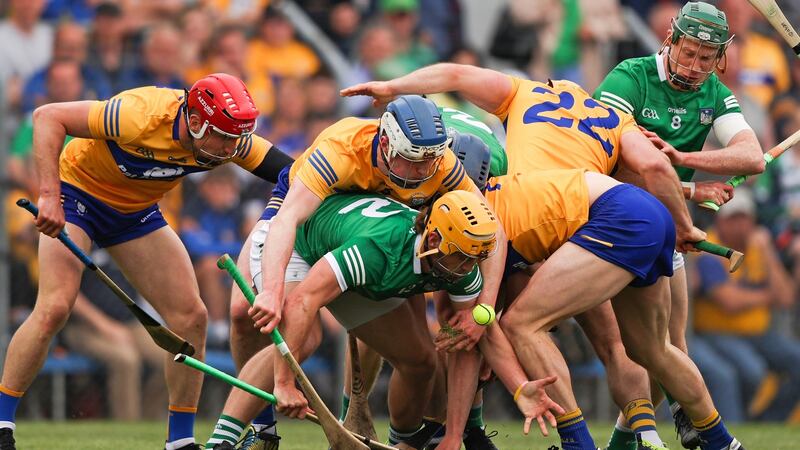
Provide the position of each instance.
(134, 156)
(344, 158)
(540, 211)
(558, 125)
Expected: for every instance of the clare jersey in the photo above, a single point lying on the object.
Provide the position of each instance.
(344, 158)
(557, 125)
(540, 211)
(370, 243)
(462, 122)
(134, 156)
(639, 86)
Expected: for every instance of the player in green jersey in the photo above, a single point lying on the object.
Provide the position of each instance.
(361, 255)
(676, 96)
(461, 122)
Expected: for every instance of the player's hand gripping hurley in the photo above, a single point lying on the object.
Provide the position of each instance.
(162, 336)
(338, 436)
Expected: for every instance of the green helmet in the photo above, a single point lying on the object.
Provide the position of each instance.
(702, 21)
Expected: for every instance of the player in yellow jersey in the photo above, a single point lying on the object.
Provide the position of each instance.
(103, 188)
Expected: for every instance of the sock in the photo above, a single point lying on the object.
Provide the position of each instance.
(9, 400)
(227, 429)
(397, 436)
(345, 407)
(266, 420)
(622, 438)
(475, 419)
(642, 419)
(574, 432)
(713, 434)
(181, 426)
(439, 434)
(673, 405)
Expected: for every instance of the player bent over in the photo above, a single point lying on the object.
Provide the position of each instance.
(105, 184)
(369, 253)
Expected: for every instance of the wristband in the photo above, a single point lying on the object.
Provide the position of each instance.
(519, 390)
(692, 187)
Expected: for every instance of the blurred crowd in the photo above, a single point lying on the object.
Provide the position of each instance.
(745, 335)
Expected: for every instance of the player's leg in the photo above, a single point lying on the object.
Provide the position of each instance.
(371, 364)
(627, 381)
(643, 317)
(159, 268)
(557, 291)
(59, 281)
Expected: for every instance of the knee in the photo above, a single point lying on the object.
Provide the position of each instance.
(51, 314)
(206, 267)
(240, 319)
(421, 366)
(193, 315)
(647, 357)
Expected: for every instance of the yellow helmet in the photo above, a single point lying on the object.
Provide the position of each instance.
(465, 224)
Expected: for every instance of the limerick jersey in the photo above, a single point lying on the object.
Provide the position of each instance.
(370, 243)
(344, 157)
(557, 125)
(639, 86)
(465, 123)
(135, 156)
(540, 211)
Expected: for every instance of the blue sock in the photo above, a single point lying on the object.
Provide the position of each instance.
(574, 432)
(713, 433)
(181, 423)
(9, 400)
(266, 420)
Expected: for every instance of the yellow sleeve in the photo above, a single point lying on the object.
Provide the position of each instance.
(502, 111)
(325, 168)
(121, 118)
(626, 123)
(254, 150)
(456, 178)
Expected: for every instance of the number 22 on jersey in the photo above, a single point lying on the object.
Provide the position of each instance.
(596, 115)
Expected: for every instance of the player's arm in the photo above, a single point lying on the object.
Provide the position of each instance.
(51, 125)
(261, 158)
(486, 88)
(318, 289)
(659, 178)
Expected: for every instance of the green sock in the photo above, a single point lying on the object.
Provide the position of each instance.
(345, 406)
(227, 429)
(622, 439)
(670, 400)
(475, 419)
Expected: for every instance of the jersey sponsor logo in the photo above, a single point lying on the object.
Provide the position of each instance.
(373, 209)
(649, 113)
(678, 110)
(154, 173)
(706, 116)
(80, 207)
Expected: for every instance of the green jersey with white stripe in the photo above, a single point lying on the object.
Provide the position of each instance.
(639, 87)
(465, 123)
(370, 243)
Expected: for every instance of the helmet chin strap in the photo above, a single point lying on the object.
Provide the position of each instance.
(402, 182)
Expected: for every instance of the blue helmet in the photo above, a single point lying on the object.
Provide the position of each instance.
(474, 155)
(416, 133)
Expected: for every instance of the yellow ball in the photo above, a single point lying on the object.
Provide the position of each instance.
(483, 314)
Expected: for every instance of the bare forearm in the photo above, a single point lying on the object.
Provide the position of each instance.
(296, 324)
(48, 140)
(428, 80)
(500, 355)
(492, 271)
(666, 187)
(742, 158)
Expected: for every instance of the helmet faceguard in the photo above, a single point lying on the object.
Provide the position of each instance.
(225, 109)
(467, 229)
(416, 140)
(474, 155)
(699, 38)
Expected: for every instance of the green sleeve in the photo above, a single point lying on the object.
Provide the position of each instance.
(726, 101)
(467, 288)
(621, 90)
(357, 262)
(22, 144)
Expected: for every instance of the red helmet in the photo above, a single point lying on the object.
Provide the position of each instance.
(224, 104)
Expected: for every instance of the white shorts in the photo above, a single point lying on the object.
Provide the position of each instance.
(350, 309)
(677, 261)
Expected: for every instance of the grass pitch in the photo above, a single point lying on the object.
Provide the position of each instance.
(297, 435)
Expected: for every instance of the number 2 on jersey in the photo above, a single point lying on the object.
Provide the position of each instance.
(586, 125)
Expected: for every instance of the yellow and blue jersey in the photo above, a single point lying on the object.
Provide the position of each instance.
(558, 125)
(344, 158)
(134, 156)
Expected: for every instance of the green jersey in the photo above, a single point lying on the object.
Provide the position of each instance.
(639, 87)
(465, 123)
(370, 243)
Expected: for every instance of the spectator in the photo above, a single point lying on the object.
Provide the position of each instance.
(240, 12)
(286, 128)
(108, 49)
(211, 226)
(376, 44)
(402, 17)
(70, 44)
(323, 95)
(196, 29)
(441, 26)
(733, 311)
(160, 63)
(64, 83)
(660, 18)
(344, 22)
(105, 330)
(27, 46)
(277, 52)
(79, 11)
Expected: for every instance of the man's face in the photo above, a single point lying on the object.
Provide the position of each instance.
(406, 169)
(64, 82)
(735, 228)
(213, 148)
(70, 44)
(692, 60)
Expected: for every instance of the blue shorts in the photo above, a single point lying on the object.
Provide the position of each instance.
(278, 194)
(105, 225)
(630, 228)
(514, 262)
